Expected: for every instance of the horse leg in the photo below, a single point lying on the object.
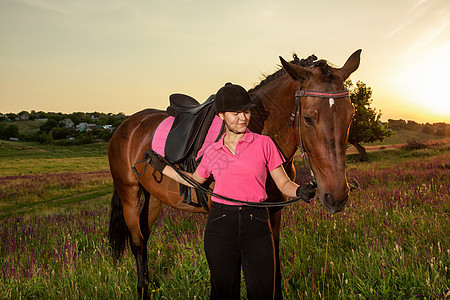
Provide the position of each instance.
(130, 198)
(150, 211)
(275, 222)
(145, 231)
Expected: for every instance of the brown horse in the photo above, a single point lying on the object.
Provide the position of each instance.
(324, 130)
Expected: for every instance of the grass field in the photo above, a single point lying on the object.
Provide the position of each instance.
(391, 242)
(26, 127)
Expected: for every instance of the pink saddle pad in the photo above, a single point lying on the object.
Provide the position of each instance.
(161, 133)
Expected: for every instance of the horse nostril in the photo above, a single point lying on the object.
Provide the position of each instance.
(328, 198)
(331, 206)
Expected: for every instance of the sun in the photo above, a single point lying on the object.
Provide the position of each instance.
(425, 83)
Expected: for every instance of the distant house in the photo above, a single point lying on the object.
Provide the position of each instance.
(85, 126)
(23, 117)
(67, 123)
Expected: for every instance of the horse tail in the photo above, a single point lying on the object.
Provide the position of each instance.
(118, 232)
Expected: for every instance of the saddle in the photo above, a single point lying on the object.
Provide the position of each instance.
(186, 136)
(190, 126)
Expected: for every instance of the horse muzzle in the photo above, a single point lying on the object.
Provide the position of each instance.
(331, 204)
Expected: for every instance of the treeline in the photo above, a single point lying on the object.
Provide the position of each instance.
(76, 117)
(439, 129)
(59, 128)
(83, 128)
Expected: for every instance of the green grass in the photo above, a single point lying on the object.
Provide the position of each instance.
(35, 176)
(9, 149)
(26, 128)
(21, 158)
(391, 242)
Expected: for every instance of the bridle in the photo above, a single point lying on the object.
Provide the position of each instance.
(295, 118)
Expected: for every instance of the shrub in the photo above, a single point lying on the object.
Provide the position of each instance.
(43, 138)
(9, 131)
(62, 133)
(414, 145)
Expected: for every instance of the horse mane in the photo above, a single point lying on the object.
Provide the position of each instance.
(308, 63)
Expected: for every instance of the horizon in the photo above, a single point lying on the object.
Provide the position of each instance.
(126, 56)
(128, 115)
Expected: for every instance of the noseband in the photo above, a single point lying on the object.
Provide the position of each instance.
(296, 112)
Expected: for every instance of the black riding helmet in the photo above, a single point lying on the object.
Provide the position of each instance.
(232, 97)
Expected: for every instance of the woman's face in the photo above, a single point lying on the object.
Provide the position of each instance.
(236, 121)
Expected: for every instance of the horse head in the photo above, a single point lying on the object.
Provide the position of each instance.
(324, 124)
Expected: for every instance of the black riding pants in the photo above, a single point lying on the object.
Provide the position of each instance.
(238, 236)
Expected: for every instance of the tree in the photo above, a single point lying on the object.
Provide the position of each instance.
(9, 131)
(47, 126)
(11, 116)
(12, 131)
(60, 133)
(366, 126)
(44, 138)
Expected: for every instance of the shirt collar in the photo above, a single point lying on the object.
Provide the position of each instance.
(248, 138)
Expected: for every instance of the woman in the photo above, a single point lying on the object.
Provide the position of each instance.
(238, 235)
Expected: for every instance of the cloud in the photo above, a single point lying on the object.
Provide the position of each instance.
(396, 30)
(419, 3)
(46, 5)
(428, 37)
(80, 6)
(422, 27)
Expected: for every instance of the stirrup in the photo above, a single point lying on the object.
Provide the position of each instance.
(190, 202)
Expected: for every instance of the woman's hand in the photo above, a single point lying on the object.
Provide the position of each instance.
(306, 191)
(156, 161)
(289, 188)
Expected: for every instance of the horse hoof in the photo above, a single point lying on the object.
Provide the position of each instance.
(143, 293)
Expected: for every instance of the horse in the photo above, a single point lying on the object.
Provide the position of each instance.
(321, 129)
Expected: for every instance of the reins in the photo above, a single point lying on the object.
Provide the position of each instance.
(208, 191)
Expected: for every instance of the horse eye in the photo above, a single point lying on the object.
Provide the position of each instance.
(308, 120)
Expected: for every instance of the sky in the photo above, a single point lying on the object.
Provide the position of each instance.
(128, 55)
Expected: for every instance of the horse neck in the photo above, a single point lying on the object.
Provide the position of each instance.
(275, 101)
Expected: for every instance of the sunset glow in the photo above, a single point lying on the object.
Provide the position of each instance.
(127, 55)
(425, 83)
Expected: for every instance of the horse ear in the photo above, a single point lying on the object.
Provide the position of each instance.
(351, 64)
(296, 72)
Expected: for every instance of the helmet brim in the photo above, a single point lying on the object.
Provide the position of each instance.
(239, 108)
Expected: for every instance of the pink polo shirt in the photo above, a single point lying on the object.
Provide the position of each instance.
(241, 176)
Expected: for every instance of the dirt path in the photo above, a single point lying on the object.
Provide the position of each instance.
(56, 202)
(352, 150)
